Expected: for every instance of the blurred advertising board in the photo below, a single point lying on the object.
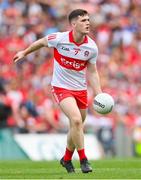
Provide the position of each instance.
(52, 146)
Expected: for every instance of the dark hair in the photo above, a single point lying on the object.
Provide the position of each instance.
(75, 13)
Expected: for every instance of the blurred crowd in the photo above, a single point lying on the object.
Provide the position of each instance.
(26, 103)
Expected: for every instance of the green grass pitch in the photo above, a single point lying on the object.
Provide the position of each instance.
(102, 169)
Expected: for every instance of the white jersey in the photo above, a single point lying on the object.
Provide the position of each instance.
(70, 60)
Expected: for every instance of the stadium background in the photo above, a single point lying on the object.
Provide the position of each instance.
(26, 104)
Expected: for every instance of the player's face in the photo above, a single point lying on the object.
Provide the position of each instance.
(82, 24)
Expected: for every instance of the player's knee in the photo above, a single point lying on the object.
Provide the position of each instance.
(77, 121)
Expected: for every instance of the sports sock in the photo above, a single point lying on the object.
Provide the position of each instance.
(81, 154)
(68, 155)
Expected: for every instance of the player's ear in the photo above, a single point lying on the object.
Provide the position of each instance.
(73, 23)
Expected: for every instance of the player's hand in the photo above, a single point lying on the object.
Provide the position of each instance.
(19, 56)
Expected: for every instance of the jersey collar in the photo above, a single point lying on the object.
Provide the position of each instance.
(72, 40)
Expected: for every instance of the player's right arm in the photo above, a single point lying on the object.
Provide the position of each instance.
(33, 47)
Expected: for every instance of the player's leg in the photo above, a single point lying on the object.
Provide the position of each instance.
(81, 99)
(76, 116)
(83, 114)
(84, 164)
(75, 134)
(69, 148)
(60, 94)
(66, 160)
(70, 145)
(71, 110)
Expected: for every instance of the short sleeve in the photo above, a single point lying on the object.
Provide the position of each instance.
(53, 39)
(93, 59)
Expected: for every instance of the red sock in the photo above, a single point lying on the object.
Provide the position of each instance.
(68, 155)
(81, 154)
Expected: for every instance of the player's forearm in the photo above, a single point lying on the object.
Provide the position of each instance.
(34, 46)
(95, 82)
